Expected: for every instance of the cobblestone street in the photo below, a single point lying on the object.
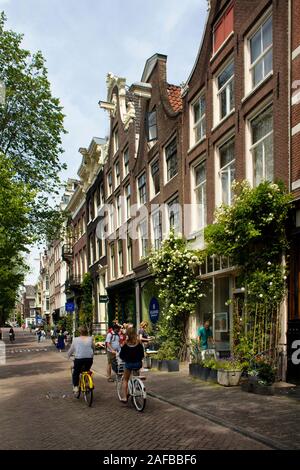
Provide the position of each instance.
(39, 412)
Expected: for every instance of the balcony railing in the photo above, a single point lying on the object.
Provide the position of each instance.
(67, 252)
(73, 282)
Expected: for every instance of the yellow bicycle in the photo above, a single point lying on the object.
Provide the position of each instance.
(86, 386)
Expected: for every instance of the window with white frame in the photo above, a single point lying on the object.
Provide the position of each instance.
(198, 117)
(156, 229)
(154, 179)
(262, 146)
(109, 183)
(115, 141)
(171, 159)
(129, 254)
(120, 258)
(101, 195)
(261, 52)
(126, 162)
(143, 233)
(225, 91)
(174, 215)
(119, 210)
(117, 174)
(142, 189)
(112, 261)
(128, 201)
(111, 219)
(227, 170)
(200, 194)
(152, 126)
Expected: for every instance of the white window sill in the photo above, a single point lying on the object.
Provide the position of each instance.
(153, 197)
(251, 92)
(196, 144)
(223, 120)
(167, 182)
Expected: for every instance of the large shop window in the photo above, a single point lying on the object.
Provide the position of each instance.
(212, 307)
(223, 29)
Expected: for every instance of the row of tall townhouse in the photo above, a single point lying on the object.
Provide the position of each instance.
(171, 149)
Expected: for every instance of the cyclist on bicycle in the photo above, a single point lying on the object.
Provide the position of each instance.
(132, 353)
(83, 349)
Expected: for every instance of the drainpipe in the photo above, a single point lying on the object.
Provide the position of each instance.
(138, 303)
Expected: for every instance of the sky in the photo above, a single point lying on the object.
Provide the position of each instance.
(83, 40)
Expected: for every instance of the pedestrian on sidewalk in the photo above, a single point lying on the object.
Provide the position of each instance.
(60, 341)
(112, 343)
(83, 349)
(39, 335)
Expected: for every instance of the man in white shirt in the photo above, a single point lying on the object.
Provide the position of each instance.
(112, 343)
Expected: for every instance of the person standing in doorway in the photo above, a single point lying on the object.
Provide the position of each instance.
(205, 336)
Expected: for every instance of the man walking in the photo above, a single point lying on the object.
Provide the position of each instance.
(112, 343)
(205, 336)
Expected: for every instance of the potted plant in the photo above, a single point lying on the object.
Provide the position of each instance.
(167, 357)
(261, 377)
(205, 369)
(229, 372)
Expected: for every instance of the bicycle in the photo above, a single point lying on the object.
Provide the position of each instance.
(136, 387)
(86, 386)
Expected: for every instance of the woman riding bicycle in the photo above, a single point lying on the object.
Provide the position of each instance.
(83, 349)
(132, 353)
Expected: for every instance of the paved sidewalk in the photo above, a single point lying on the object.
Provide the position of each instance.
(272, 420)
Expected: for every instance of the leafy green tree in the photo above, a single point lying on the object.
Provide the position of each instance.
(15, 235)
(31, 127)
(86, 310)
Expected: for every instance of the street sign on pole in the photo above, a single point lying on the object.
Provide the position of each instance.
(103, 299)
(70, 307)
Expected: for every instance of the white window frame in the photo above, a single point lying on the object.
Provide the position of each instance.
(143, 245)
(151, 181)
(156, 241)
(117, 173)
(194, 125)
(218, 92)
(125, 167)
(115, 141)
(119, 210)
(112, 260)
(138, 189)
(249, 87)
(218, 179)
(259, 142)
(120, 258)
(128, 201)
(109, 186)
(168, 206)
(167, 179)
(198, 224)
(129, 254)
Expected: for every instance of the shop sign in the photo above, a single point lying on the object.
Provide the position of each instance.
(154, 310)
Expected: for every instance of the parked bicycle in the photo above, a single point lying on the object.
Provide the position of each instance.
(86, 386)
(136, 387)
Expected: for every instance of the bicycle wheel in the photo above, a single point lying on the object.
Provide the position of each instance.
(119, 385)
(88, 391)
(138, 394)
